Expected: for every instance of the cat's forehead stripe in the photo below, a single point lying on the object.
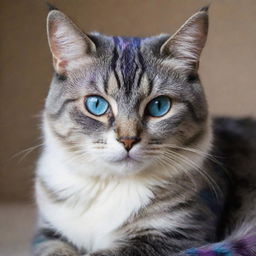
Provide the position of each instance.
(125, 43)
(113, 67)
(127, 63)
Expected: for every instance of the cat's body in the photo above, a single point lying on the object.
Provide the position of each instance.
(130, 166)
(235, 139)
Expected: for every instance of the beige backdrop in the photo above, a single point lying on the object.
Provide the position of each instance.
(227, 67)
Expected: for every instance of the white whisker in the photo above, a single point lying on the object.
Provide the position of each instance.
(24, 153)
(197, 168)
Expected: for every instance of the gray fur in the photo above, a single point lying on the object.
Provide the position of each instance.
(194, 203)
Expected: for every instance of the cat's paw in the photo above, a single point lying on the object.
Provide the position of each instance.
(54, 248)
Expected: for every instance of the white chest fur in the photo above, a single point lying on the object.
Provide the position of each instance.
(94, 210)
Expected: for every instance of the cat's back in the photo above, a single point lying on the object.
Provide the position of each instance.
(235, 142)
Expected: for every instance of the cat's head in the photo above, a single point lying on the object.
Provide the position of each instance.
(126, 103)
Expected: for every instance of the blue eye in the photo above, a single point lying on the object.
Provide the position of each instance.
(159, 106)
(96, 105)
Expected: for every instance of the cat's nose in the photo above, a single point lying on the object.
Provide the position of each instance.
(128, 141)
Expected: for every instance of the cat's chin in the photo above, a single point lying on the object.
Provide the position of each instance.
(127, 165)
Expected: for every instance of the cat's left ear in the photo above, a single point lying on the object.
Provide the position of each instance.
(68, 44)
(188, 42)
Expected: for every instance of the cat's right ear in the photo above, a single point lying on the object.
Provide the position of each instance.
(68, 44)
(186, 45)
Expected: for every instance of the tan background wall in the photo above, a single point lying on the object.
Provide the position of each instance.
(228, 65)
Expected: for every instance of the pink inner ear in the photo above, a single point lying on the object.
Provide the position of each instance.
(53, 42)
(63, 64)
(60, 65)
(67, 42)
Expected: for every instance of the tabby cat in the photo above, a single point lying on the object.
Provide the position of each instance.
(133, 165)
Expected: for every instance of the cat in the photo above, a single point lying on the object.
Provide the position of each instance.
(133, 164)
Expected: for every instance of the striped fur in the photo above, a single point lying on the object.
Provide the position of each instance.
(171, 191)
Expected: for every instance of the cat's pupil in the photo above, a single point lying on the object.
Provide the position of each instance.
(158, 104)
(96, 103)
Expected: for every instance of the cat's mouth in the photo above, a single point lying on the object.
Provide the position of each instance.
(126, 159)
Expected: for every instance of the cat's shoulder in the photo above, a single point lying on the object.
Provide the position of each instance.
(235, 132)
(235, 142)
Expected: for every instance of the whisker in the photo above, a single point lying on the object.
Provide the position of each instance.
(207, 155)
(197, 168)
(194, 150)
(24, 153)
(180, 168)
(171, 163)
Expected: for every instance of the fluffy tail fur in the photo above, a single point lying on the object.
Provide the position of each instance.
(240, 247)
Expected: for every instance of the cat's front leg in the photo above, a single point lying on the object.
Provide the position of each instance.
(45, 244)
(151, 245)
(54, 248)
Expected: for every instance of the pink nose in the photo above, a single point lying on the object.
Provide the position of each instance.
(128, 141)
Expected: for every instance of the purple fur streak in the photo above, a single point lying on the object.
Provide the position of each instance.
(129, 49)
(242, 247)
(202, 252)
(245, 246)
(210, 252)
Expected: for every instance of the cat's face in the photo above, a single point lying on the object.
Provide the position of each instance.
(126, 102)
